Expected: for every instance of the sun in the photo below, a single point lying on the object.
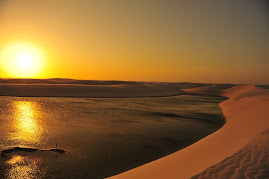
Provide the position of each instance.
(22, 60)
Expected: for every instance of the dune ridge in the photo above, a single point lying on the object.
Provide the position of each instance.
(93, 91)
(212, 90)
(60, 87)
(246, 114)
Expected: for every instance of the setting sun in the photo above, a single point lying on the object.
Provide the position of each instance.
(22, 60)
(132, 89)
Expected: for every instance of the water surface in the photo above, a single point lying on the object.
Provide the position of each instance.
(102, 136)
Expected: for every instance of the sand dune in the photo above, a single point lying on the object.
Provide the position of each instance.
(63, 81)
(238, 90)
(69, 90)
(250, 162)
(58, 87)
(215, 90)
(246, 114)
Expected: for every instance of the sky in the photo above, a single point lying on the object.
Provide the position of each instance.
(224, 41)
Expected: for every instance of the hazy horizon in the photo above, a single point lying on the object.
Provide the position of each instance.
(138, 81)
(162, 41)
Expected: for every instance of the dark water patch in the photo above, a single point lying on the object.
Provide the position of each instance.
(171, 115)
(203, 117)
(125, 121)
(17, 149)
(263, 86)
(212, 118)
(174, 141)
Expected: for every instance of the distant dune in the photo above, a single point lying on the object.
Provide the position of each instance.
(215, 90)
(124, 90)
(59, 87)
(83, 88)
(246, 114)
(64, 81)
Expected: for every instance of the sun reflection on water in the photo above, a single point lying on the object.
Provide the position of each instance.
(23, 167)
(27, 126)
(27, 131)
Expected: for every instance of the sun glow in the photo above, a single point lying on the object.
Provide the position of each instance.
(22, 60)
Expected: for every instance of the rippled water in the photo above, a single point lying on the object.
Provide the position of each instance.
(102, 137)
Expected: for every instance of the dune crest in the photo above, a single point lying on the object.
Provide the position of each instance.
(212, 90)
(246, 117)
(237, 90)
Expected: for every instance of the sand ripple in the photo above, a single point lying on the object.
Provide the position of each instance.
(251, 162)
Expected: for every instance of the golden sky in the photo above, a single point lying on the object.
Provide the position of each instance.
(223, 41)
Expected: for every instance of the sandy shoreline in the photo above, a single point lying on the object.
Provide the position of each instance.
(246, 113)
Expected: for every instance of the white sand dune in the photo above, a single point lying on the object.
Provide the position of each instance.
(215, 89)
(251, 161)
(236, 91)
(246, 114)
(78, 90)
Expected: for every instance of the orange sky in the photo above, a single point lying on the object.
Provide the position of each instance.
(150, 40)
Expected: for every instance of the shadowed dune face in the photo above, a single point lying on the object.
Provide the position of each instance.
(211, 90)
(211, 118)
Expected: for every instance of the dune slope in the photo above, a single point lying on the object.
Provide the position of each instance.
(249, 162)
(246, 116)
